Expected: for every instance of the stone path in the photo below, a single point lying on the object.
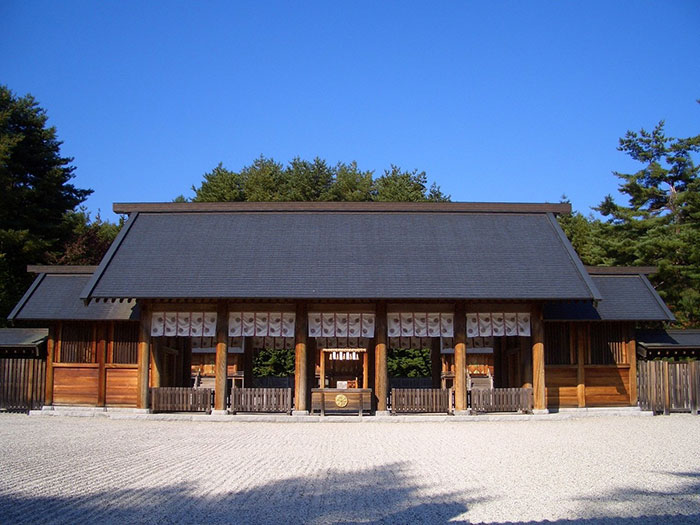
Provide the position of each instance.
(595, 470)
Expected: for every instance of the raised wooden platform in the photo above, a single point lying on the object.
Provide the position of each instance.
(341, 400)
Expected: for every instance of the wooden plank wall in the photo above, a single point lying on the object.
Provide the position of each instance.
(75, 385)
(22, 382)
(121, 386)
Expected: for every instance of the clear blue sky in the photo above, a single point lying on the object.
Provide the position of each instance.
(496, 101)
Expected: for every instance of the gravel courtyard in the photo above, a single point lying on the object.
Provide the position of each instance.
(596, 470)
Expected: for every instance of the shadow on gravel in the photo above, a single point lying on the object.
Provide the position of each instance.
(383, 495)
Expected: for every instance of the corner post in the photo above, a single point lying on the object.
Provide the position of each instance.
(381, 375)
(101, 360)
(632, 360)
(538, 385)
(143, 356)
(54, 334)
(581, 343)
(301, 360)
(220, 369)
(460, 340)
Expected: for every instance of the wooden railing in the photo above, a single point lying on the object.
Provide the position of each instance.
(666, 387)
(180, 399)
(261, 400)
(501, 400)
(421, 400)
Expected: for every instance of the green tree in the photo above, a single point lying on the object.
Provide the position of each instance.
(397, 185)
(36, 195)
(409, 362)
(89, 241)
(660, 225)
(273, 362)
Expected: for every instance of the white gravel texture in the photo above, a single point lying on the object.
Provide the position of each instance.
(594, 470)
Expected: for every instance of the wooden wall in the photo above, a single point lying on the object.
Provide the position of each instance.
(75, 384)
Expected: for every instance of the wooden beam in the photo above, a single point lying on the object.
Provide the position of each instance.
(365, 370)
(220, 369)
(460, 342)
(381, 375)
(322, 378)
(54, 333)
(143, 356)
(156, 354)
(632, 360)
(301, 387)
(537, 340)
(581, 340)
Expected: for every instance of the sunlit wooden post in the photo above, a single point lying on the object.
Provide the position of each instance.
(301, 386)
(537, 334)
(460, 344)
(381, 376)
(221, 357)
(143, 356)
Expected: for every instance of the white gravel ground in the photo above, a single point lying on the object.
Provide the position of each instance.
(596, 470)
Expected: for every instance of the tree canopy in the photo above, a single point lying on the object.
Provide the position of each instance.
(302, 180)
(36, 196)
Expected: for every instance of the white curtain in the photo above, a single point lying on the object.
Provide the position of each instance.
(261, 324)
(335, 324)
(183, 324)
(498, 324)
(420, 324)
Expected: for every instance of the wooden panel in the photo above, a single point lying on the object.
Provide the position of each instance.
(122, 386)
(607, 386)
(562, 386)
(355, 400)
(75, 386)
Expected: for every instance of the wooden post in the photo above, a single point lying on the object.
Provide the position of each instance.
(221, 356)
(632, 360)
(381, 378)
(54, 333)
(365, 369)
(537, 340)
(581, 341)
(667, 389)
(322, 379)
(143, 356)
(101, 358)
(460, 341)
(301, 389)
(156, 364)
(435, 361)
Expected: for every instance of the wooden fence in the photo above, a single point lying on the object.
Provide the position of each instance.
(421, 400)
(22, 383)
(501, 400)
(180, 399)
(666, 387)
(261, 400)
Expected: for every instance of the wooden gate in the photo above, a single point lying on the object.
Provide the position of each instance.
(421, 400)
(666, 387)
(22, 383)
(261, 400)
(501, 400)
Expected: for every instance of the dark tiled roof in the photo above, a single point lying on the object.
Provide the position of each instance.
(22, 337)
(396, 255)
(672, 339)
(625, 298)
(57, 296)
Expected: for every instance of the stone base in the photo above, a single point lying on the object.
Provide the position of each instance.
(219, 412)
(382, 413)
(463, 412)
(300, 412)
(540, 411)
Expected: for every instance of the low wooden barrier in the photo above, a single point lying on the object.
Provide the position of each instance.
(501, 400)
(666, 387)
(421, 400)
(180, 399)
(358, 400)
(22, 383)
(261, 400)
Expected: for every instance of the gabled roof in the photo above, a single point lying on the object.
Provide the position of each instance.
(669, 339)
(627, 296)
(342, 251)
(55, 295)
(22, 337)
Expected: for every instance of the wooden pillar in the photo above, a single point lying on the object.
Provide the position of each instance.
(101, 359)
(301, 360)
(220, 367)
(460, 341)
(537, 340)
(381, 375)
(632, 360)
(365, 369)
(322, 379)
(581, 344)
(143, 356)
(54, 334)
(156, 363)
(435, 362)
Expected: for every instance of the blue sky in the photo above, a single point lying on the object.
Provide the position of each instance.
(496, 101)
